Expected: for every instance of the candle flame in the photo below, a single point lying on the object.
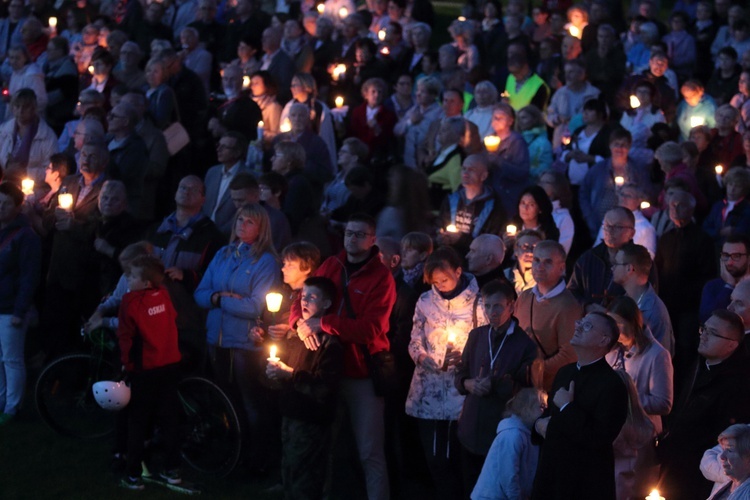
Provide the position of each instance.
(566, 140)
(645, 205)
(511, 229)
(27, 186)
(339, 101)
(321, 8)
(451, 228)
(52, 22)
(451, 337)
(245, 82)
(286, 126)
(634, 102)
(343, 12)
(492, 142)
(619, 180)
(91, 69)
(338, 71)
(574, 31)
(272, 351)
(273, 302)
(654, 495)
(718, 169)
(461, 18)
(65, 201)
(261, 124)
(385, 51)
(381, 35)
(696, 121)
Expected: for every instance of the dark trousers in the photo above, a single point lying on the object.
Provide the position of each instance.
(443, 454)
(154, 400)
(305, 447)
(471, 467)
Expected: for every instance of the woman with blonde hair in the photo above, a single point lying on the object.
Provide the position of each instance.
(233, 290)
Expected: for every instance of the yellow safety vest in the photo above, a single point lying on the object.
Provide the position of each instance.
(528, 90)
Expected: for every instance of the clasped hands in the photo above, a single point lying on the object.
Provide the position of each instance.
(307, 330)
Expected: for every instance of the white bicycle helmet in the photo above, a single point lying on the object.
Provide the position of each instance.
(111, 395)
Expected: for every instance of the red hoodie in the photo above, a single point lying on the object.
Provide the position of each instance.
(147, 331)
(373, 293)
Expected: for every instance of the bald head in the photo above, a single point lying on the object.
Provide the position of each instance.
(474, 171)
(486, 253)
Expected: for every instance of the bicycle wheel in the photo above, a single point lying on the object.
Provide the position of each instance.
(64, 398)
(212, 438)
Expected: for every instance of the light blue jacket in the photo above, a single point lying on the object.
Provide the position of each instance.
(540, 151)
(233, 269)
(509, 469)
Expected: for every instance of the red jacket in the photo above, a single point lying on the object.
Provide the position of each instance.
(378, 144)
(372, 292)
(147, 332)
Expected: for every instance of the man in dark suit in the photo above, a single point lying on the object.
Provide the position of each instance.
(278, 63)
(218, 206)
(589, 407)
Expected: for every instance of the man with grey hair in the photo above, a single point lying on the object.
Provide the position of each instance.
(127, 70)
(485, 258)
(277, 62)
(471, 210)
(195, 57)
(128, 156)
(318, 159)
(419, 34)
(685, 260)
(156, 145)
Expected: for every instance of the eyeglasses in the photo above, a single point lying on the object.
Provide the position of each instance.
(612, 229)
(615, 264)
(733, 256)
(358, 234)
(586, 327)
(704, 330)
(527, 248)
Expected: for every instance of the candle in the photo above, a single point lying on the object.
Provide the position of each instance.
(511, 229)
(619, 180)
(245, 82)
(492, 142)
(339, 101)
(321, 8)
(451, 339)
(91, 69)
(343, 12)
(260, 130)
(718, 169)
(451, 228)
(273, 302)
(286, 126)
(645, 205)
(696, 121)
(27, 186)
(566, 140)
(52, 23)
(381, 35)
(574, 31)
(634, 102)
(338, 71)
(272, 351)
(385, 51)
(461, 18)
(654, 495)
(65, 201)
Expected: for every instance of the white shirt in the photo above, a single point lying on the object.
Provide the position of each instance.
(565, 225)
(556, 290)
(645, 234)
(577, 171)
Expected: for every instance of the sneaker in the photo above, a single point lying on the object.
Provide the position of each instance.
(132, 483)
(5, 418)
(171, 476)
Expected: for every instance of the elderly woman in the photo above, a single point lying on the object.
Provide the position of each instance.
(510, 171)
(26, 141)
(445, 171)
(233, 290)
(728, 464)
(162, 101)
(531, 125)
(26, 75)
(415, 124)
(650, 366)
(485, 95)
(263, 91)
(599, 186)
(20, 270)
(732, 214)
(669, 156)
(372, 122)
(300, 200)
(443, 318)
(305, 91)
(127, 70)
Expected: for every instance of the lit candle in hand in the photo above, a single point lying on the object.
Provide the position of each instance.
(451, 340)
(27, 186)
(451, 228)
(65, 201)
(634, 102)
(619, 180)
(273, 301)
(511, 229)
(696, 121)
(343, 12)
(91, 69)
(286, 126)
(492, 143)
(645, 205)
(719, 169)
(385, 51)
(52, 23)
(273, 358)
(381, 35)
(245, 82)
(339, 101)
(566, 140)
(654, 495)
(259, 130)
(321, 8)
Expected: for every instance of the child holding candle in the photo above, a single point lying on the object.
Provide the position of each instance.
(309, 385)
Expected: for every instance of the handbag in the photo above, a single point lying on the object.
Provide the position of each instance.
(381, 365)
(176, 137)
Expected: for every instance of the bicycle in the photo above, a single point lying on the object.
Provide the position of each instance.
(65, 401)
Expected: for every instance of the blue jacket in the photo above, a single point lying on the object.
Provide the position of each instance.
(540, 151)
(598, 191)
(233, 269)
(20, 266)
(509, 171)
(738, 219)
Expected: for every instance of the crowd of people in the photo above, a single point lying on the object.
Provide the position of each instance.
(568, 181)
